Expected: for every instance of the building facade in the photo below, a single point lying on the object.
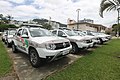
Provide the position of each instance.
(54, 24)
(85, 25)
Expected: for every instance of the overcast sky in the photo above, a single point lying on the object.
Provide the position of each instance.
(58, 10)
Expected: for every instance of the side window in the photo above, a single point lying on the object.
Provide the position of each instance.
(19, 32)
(7, 32)
(60, 33)
(89, 33)
(24, 32)
(54, 32)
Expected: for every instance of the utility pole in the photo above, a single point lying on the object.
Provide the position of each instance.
(118, 9)
(49, 20)
(78, 18)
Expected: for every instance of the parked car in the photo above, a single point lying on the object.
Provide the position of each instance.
(94, 39)
(76, 40)
(0, 33)
(9, 36)
(102, 38)
(106, 35)
(40, 45)
(4, 34)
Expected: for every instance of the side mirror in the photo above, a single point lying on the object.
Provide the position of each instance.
(5, 34)
(18, 34)
(25, 36)
(26, 33)
(64, 35)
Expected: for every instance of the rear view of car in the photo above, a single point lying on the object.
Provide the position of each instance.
(9, 36)
(4, 35)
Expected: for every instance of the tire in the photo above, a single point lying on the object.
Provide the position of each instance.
(14, 49)
(34, 58)
(8, 44)
(101, 41)
(3, 40)
(75, 48)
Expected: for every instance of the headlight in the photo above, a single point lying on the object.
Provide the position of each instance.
(50, 46)
(83, 41)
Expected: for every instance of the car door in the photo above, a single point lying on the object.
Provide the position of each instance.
(54, 32)
(24, 38)
(61, 34)
(19, 40)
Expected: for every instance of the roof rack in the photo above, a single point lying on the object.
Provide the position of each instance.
(12, 28)
(64, 28)
(31, 25)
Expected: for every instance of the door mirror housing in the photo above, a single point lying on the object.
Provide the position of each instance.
(5, 34)
(18, 34)
(25, 36)
(64, 35)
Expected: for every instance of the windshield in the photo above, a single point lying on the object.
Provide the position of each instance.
(70, 33)
(81, 33)
(37, 32)
(101, 33)
(94, 33)
(12, 32)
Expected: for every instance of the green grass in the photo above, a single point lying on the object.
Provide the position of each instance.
(5, 61)
(101, 64)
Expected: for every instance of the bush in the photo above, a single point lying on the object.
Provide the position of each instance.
(6, 26)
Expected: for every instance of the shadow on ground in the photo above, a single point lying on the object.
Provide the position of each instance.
(26, 72)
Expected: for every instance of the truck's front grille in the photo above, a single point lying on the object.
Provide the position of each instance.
(62, 45)
(88, 41)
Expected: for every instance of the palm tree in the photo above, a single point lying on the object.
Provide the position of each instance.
(108, 5)
(9, 18)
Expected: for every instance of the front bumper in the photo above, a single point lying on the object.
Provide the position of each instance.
(96, 41)
(105, 39)
(91, 44)
(82, 45)
(53, 54)
(9, 41)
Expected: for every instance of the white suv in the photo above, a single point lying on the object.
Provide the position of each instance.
(94, 39)
(9, 36)
(40, 45)
(4, 35)
(76, 40)
(102, 38)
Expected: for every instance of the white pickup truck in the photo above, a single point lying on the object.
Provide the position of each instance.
(76, 40)
(40, 45)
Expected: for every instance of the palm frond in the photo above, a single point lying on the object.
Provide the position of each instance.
(117, 1)
(108, 5)
(113, 6)
(104, 7)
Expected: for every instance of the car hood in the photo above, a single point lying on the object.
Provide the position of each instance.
(92, 37)
(10, 36)
(78, 38)
(102, 36)
(89, 37)
(49, 39)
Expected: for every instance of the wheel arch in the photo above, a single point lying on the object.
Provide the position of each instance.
(31, 47)
(74, 43)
